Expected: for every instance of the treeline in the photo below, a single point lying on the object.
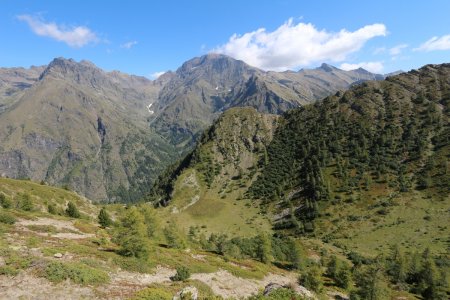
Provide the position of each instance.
(361, 277)
(24, 202)
(394, 132)
(417, 273)
(138, 227)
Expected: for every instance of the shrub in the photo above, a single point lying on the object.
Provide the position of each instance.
(152, 294)
(173, 237)
(312, 279)
(182, 274)
(51, 208)
(13, 263)
(8, 271)
(77, 272)
(7, 218)
(25, 202)
(343, 277)
(4, 201)
(278, 294)
(72, 210)
(103, 218)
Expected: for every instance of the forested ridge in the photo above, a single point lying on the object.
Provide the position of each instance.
(394, 132)
(365, 171)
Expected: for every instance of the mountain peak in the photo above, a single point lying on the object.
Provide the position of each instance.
(327, 68)
(211, 65)
(63, 67)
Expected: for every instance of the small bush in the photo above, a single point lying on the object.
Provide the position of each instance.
(152, 294)
(104, 219)
(312, 279)
(72, 210)
(51, 208)
(182, 274)
(278, 294)
(7, 218)
(25, 202)
(8, 270)
(13, 263)
(5, 202)
(77, 272)
(132, 264)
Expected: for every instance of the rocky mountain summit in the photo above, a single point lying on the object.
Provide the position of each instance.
(108, 135)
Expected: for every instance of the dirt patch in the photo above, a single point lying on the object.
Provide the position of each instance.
(227, 285)
(161, 275)
(60, 225)
(124, 284)
(199, 257)
(26, 286)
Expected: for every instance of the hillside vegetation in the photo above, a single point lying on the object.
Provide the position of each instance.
(64, 247)
(359, 173)
(202, 188)
(381, 147)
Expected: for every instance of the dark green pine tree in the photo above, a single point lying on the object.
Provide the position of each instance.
(72, 210)
(104, 219)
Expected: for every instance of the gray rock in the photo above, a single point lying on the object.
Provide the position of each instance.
(271, 287)
(189, 290)
(58, 255)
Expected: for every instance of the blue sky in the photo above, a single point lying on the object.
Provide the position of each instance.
(147, 37)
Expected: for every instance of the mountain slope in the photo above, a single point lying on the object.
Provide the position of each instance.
(202, 188)
(204, 87)
(346, 168)
(45, 252)
(13, 81)
(73, 127)
(108, 135)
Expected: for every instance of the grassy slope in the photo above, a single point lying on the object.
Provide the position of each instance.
(214, 213)
(42, 195)
(20, 245)
(209, 192)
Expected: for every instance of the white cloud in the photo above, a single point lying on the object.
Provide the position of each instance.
(156, 74)
(397, 50)
(372, 66)
(128, 45)
(435, 43)
(74, 37)
(293, 45)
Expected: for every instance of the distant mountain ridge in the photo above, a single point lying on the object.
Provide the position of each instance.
(204, 87)
(79, 126)
(108, 135)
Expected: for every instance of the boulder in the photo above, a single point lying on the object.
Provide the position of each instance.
(189, 290)
(271, 287)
